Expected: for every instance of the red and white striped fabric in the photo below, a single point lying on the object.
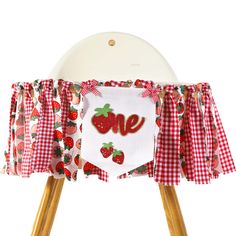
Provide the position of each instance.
(46, 118)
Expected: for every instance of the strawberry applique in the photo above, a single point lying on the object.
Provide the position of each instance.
(107, 149)
(118, 156)
(103, 119)
(73, 114)
(69, 142)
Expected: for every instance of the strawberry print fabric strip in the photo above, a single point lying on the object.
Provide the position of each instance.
(9, 153)
(51, 122)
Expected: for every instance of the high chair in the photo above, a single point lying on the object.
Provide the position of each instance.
(106, 56)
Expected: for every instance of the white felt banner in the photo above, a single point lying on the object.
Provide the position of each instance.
(118, 129)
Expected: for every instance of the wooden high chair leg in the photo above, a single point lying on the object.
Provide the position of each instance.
(51, 196)
(48, 206)
(173, 212)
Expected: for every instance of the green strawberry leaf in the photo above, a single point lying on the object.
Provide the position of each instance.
(116, 153)
(108, 145)
(103, 111)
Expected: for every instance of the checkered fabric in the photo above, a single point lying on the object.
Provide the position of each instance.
(167, 155)
(226, 159)
(43, 153)
(45, 129)
(198, 150)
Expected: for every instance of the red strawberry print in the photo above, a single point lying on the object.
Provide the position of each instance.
(88, 168)
(60, 167)
(67, 174)
(58, 135)
(50, 169)
(158, 109)
(57, 123)
(184, 168)
(20, 133)
(103, 119)
(33, 145)
(34, 114)
(20, 148)
(71, 127)
(107, 83)
(14, 151)
(78, 143)
(20, 121)
(182, 135)
(80, 128)
(74, 175)
(140, 170)
(55, 106)
(158, 121)
(215, 144)
(13, 119)
(118, 156)
(67, 159)
(13, 134)
(138, 83)
(69, 142)
(77, 159)
(57, 151)
(34, 131)
(75, 99)
(73, 113)
(215, 162)
(21, 108)
(107, 149)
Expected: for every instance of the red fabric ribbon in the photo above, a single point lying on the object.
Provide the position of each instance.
(151, 92)
(89, 86)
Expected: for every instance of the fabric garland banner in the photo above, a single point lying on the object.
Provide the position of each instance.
(116, 128)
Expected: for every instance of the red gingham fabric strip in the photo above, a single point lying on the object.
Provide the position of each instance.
(28, 105)
(201, 174)
(226, 159)
(186, 140)
(43, 152)
(167, 170)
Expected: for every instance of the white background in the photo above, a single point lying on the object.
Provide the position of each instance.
(198, 40)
